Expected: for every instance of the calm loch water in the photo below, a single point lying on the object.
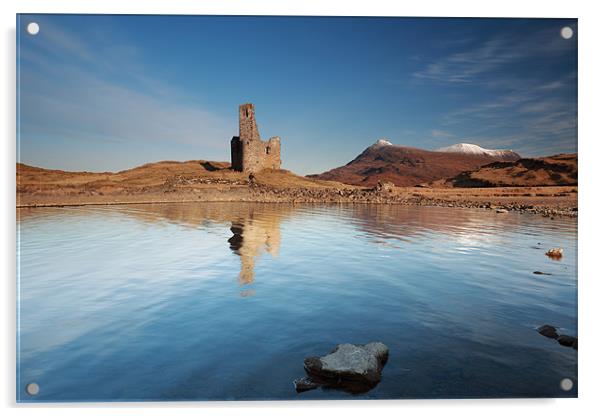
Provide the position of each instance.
(223, 301)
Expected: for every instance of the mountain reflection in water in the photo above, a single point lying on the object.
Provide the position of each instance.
(256, 227)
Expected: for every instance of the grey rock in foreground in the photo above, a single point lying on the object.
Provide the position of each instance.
(350, 367)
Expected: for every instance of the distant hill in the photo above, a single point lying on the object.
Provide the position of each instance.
(473, 149)
(544, 171)
(409, 166)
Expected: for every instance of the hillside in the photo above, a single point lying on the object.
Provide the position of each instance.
(159, 177)
(407, 166)
(557, 170)
(202, 181)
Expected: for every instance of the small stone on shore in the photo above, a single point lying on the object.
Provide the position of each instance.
(384, 187)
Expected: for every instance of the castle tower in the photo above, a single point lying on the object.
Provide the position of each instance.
(247, 127)
(249, 153)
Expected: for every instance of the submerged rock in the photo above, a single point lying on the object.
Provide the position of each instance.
(548, 331)
(304, 384)
(350, 367)
(542, 273)
(567, 341)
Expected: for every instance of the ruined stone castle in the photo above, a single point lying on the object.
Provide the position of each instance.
(250, 153)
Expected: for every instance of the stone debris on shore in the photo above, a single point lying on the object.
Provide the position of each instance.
(217, 183)
(350, 367)
(386, 193)
(384, 187)
(554, 253)
(172, 183)
(549, 331)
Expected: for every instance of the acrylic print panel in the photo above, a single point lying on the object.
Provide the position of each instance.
(267, 208)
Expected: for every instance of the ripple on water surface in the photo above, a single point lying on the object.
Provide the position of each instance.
(224, 300)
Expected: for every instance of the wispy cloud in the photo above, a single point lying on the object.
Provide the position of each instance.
(495, 54)
(441, 134)
(105, 95)
(528, 112)
(538, 128)
(463, 67)
(85, 108)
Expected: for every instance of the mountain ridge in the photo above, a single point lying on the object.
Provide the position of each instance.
(407, 166)
(469, 148)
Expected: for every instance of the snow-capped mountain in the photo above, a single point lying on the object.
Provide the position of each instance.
(382, 142)
(409, 166)
(473, 149)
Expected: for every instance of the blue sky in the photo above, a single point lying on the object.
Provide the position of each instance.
(107, 93)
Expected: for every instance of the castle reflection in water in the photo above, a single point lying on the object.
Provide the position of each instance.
(251, 238)
(256, 227)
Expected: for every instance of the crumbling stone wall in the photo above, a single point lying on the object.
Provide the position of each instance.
(249, 152)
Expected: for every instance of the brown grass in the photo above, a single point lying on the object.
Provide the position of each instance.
(558, 170)
(199, 180)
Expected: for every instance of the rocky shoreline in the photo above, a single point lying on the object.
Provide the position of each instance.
(203, 181)
(387, 195)
(547, 203)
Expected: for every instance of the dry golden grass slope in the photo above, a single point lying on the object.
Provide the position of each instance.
(151, 177)
(557, 170)
(202, 181)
